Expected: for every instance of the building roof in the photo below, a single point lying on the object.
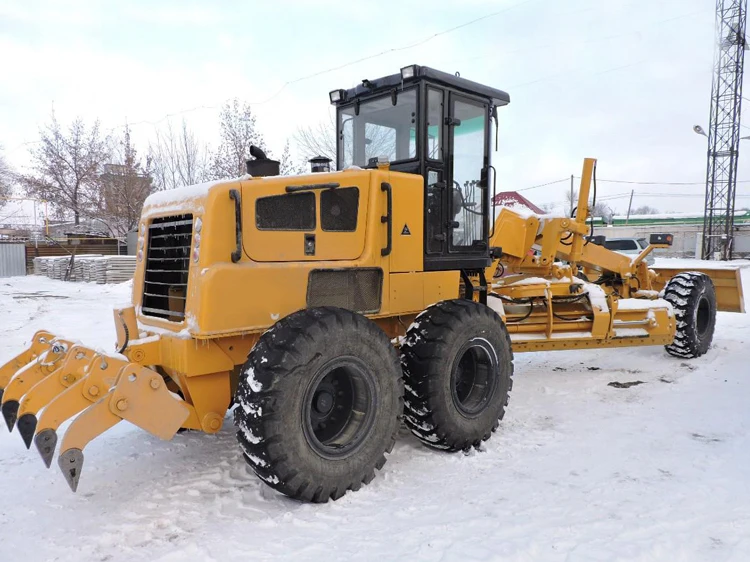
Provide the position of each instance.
(515, 199)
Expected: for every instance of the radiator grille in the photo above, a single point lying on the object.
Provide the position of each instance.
(358, 289)
(167, 265)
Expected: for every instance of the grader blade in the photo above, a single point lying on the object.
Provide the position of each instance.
(727, 282)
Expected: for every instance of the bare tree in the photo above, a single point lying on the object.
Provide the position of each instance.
(600, 209)
(7, 179)
(123, 187)
(645, 210)
(547, 207)
(320, 140)
(65, 167)
(571, 198)
(176, 158)
(317, 140)
(287, 166)
(238, 133)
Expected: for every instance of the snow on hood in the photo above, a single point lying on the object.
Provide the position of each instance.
(176, 198)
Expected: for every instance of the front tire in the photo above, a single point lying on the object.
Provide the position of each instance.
(320, 401)
(693, 297)
(458, 364)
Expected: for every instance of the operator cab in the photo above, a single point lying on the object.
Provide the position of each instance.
(427, 122)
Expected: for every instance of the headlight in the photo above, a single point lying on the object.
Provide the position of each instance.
(336, 96)
(409, 72)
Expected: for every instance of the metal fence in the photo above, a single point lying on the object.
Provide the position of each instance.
(12, 260)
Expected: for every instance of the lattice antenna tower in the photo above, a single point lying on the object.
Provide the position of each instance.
(724, 129)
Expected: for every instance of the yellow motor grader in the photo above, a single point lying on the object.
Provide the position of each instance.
(329, 307)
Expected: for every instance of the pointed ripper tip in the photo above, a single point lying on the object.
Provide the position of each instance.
(70, 463)
(10, 411)
(46, 441)
(26, 427)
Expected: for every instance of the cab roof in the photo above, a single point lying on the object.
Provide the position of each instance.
(380, 85)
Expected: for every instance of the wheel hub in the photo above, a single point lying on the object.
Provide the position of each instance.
(473, 379)
(324, 402)
(340, 408)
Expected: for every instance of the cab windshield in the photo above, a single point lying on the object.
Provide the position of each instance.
(380, 128)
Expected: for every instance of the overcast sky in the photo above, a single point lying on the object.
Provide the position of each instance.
(620, 80)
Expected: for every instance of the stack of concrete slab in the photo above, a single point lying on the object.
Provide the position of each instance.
(92, 268)
(119, 269)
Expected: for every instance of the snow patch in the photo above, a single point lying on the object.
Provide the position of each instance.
(642, 304)
(249, 435)
(496, 305)
(255, 385)
(597, 296)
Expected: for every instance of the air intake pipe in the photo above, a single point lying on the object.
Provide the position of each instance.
(262, 166)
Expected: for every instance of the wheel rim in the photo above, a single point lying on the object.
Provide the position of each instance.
(702, 316)
(473, 379)
(339, 408)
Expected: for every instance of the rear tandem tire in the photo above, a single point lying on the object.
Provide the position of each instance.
(320, 402)
(458, 364)
(693, 297)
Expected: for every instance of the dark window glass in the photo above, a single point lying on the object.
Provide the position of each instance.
(434, 123)
(379, 129)
(467, 196)
(434, 222)
(338, 209)
(295, 211)
(620, 245)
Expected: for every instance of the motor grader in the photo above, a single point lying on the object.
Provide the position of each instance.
(327, 308)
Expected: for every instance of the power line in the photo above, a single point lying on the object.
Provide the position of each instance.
(394, 49)
(631, 182)
(636, 32)
(543, 184)
(326, 71)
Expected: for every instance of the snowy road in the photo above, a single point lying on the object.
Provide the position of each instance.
(578, 471)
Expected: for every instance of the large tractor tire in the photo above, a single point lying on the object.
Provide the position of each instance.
(693, 297)
(458, 365)
(320, 401)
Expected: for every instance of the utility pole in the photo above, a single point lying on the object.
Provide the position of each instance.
(724, 129)
(632, 191)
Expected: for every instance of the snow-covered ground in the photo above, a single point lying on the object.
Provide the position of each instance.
(578, 470)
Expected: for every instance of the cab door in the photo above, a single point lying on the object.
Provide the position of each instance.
(455, 172)
(468, 198)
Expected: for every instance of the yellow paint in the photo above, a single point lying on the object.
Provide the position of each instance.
(229, 305)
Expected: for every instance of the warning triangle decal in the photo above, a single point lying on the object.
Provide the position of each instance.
(405, 231)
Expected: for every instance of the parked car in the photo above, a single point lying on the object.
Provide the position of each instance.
(629, 247)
